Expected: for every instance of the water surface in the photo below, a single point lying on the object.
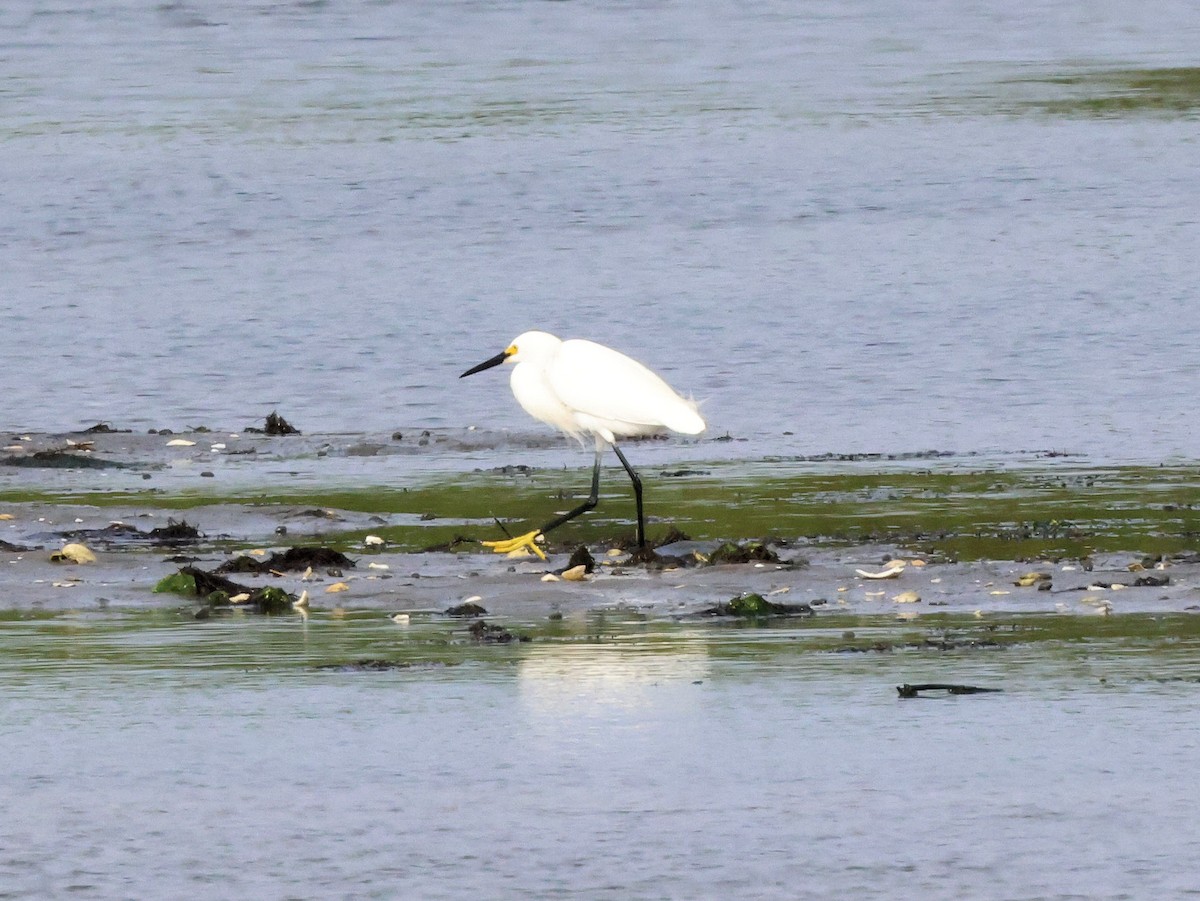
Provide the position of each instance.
(842, 228)
(698, 763)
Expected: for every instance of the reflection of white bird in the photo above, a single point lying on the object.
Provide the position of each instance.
(584, 388)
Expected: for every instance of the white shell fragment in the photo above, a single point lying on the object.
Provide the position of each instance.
(550, 577)
(373, 541)
(302, 601)
(378, 566)
(240, 598)
(907, 597)
(892, 571)
(73, 553)
(180, 442)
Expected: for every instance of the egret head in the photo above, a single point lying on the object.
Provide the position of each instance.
(526, 347)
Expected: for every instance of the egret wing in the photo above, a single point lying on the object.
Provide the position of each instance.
(606, 385)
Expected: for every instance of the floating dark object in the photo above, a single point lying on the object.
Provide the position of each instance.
(365, 666)
(218, 591)
(470, 608)
(57, 459)
(6, 546)
(672, 536)
(447, 546)
(912, 691)
(102, 428)
(1151, 581)
(754, 605)
(488, 633)
(173, 533)
(293, 559)
(275, 425)
(581, 557)
(747, 552)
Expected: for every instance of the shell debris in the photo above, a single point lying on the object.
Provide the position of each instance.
(575, 574)
(336, 587)
(891, 571)
(907, 597)
(73, 553)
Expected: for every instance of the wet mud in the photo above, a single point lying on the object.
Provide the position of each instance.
(397, 530)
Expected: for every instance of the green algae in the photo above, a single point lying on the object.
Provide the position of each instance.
(1160, 646)
(1109, 93)
(1055, 510)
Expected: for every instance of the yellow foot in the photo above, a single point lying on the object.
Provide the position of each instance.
(528, 541)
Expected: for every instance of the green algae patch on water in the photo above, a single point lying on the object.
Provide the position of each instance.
(1097, 93)
(1131, 647)
(1042, 511)
(176, 583)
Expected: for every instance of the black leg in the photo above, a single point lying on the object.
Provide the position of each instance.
(637, 494)
(591, 501)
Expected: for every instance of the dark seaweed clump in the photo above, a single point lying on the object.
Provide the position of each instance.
(173, 533)
(59, 459)
(470, 608)
(746, 552)
(275, 425)
(493, 634)
(293, 559)
(755, 605)
(216, 592)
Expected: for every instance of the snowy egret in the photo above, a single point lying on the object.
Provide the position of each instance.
(584, 388)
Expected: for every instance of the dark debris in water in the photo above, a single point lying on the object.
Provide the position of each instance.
(173, 533)
(294, 559)
(745, 552)
(61, 459)
(492, 634)
(580, 557)
(217, 593)
(913, 691)
(755, 605)
(470, 608)
(275, 425)
(376, 665)
(448, 546)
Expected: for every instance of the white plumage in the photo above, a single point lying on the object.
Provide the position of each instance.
(584, 388)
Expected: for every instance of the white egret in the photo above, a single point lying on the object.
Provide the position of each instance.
(584, 388)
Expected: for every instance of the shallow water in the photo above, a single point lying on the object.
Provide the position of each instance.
(699, 763)
(838, 221)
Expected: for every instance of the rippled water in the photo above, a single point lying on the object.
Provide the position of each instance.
(707, 763)
(832, 220)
